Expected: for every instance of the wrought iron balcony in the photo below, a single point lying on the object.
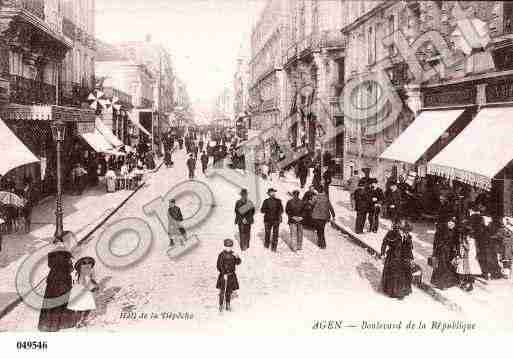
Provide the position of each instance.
(332, 39)
(35, 7)
(30, 92)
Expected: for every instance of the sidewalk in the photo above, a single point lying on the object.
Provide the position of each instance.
(82, 214)
(493, 295)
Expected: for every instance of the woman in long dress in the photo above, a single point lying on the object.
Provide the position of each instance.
(54, 314)
(444, 250)
(467, 263)
(397, 249)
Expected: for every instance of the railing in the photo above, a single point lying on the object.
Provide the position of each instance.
(332, 39)
(29, 92)
(35, 7)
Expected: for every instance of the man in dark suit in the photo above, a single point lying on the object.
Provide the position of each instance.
(377, 197)
(175, 218)
(362, 206)
(393, 202)
(272, 209)
(244, 213)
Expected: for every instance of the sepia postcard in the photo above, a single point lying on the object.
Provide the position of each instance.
(248, 167)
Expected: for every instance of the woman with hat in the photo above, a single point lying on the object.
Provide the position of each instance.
(81, 299)
(54, 314)
(397, 248)
(444, 250)
(227, 280)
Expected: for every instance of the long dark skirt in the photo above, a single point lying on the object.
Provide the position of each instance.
(54, 319)
(444, 275)
(396, 279)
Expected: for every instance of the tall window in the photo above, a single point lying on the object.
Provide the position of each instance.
(15, 63)
(371, 46)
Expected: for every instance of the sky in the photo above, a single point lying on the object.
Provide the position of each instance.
(203, 36)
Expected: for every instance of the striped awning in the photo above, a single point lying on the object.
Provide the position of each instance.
(14, 152)
(97, 141)
(480, 151)
(107, 133)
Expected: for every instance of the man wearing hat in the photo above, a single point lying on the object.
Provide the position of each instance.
(175, 217)
(393, 202)
(244, 213)
(295, 210)
(376, 197)
(191, 165)
(227, 280)
(272, 209)
(366, 180)
(362, 206)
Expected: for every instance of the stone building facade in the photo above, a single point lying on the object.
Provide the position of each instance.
(266, 78)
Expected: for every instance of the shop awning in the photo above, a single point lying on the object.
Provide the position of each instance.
(135, 121)
(480, 151)
(14, 152)
(107, 133)
(97, 141)
(420, 135)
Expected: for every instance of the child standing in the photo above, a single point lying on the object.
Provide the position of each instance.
(81, 295)
(227, 281)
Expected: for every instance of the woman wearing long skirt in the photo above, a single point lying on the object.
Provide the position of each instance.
(397, 249)
(54, 314)
(444, 250)
(467, 265)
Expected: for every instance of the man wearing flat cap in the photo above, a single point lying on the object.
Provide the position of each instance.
(244, 213)
(227, 280)
(272, 209)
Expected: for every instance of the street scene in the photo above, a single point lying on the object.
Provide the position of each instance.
(319, 165)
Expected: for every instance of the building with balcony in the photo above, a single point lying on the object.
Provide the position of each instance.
(313, 65)
(265, 67)
(35, 45)
(134, 79)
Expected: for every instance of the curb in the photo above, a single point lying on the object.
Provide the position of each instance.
(425, 287)
(9, 307)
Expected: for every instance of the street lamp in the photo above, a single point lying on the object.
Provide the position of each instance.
(58, 134)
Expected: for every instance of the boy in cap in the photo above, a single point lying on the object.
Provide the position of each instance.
(227, 280)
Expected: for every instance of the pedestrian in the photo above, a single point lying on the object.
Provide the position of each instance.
(366, 180)
(175, 217)
(362, 206)
(444, 250)
(467, 265)
(191, 165)
(302, 172)
(393, 202)
(54, 314)
(352, 185)
(308, 206)
(272, 209)
(82, 300)
(244, 213)
(316, 181)
(486, 243)
(227, 281)
(204, 161)
(502, 237)
(397, 249)
(322, 212)
(28, 195)
(377, 197)
(295, 211)
(327, 177)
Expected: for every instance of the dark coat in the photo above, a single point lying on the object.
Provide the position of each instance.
(58, 283)
(191, 164)
(226, 263)
(175, 213)
(248, 214)
(294, 208)
(272, 210)
(397, 276)
(444, 250)
(362, 200)
(393, 199)
(204, 159)
(378, 195)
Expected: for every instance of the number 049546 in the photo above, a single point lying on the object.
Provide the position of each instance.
(31, 345)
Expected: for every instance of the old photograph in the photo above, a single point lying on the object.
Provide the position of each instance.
(283, 167)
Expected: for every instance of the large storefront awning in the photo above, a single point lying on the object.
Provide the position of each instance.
(97, 141)
(420, 135)
(480, 151)
(135, 121)
(14, 152)
(107, 133)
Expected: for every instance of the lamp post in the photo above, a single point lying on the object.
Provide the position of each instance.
(58, 133)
